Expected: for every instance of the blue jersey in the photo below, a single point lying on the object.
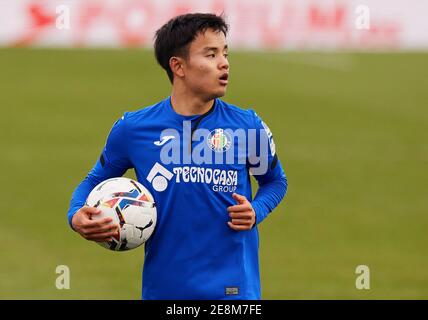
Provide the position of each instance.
(192, 165)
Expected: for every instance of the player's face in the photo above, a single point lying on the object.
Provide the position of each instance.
(206, 70)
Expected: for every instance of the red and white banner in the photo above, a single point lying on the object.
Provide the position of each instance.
(289, 24)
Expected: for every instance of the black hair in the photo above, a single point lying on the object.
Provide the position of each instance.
(174, 37)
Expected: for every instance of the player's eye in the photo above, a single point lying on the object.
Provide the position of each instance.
(226, 55)
(212, 55)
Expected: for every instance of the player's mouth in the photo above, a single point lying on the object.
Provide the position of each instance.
(223, 79)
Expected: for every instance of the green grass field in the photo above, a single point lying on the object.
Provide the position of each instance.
(350, 129)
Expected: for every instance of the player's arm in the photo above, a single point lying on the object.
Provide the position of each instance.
(272, 189)
(113, 162)
(272, 181)
(263, 163)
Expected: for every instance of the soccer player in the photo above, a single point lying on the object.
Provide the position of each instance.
(195, 153)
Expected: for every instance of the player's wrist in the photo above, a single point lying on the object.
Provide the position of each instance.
(256, 209)
(74, 220)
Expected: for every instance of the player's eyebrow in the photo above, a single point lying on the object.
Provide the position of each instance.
(215, 49)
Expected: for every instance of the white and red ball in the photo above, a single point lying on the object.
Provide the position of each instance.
(130, 205)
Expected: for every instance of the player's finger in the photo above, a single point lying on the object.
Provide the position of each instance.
(103, 235)
(240, 198)
(239, 207)
(240, 215)
(237, 228)
(98, 233)
(241, 222)
(103, 240)
(109, 227)
(97, 223)
(91, 210)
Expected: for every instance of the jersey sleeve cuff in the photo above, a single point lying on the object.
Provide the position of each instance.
(258, 210)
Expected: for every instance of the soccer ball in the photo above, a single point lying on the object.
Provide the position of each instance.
(130, 205)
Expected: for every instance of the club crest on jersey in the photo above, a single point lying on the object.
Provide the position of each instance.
(219, 140)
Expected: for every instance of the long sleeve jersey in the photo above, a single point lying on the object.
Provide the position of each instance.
(192, 165)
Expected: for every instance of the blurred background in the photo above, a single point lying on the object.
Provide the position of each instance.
(342, 85)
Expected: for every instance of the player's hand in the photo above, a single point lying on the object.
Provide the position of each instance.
(242, 214)
(95, 230)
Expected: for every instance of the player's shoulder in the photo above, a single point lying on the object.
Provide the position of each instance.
(248, 115)
(147, 113)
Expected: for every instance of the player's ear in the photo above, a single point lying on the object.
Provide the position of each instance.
(176, 65)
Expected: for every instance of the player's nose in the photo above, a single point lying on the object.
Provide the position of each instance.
(224, 64)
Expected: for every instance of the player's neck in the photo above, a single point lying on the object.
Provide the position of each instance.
(187, 104)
